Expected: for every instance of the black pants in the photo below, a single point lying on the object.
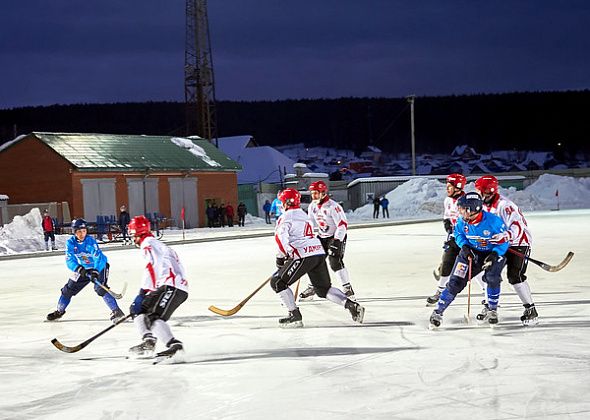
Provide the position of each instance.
(516, 266)
(336, 263)
(162, 302)
(315, 267)
(451, 250)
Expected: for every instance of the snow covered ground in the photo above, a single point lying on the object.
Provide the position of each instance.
(245, 367)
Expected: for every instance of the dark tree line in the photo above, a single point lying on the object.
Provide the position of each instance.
(521, 121)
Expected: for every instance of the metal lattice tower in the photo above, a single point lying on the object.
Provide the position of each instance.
(199, 83)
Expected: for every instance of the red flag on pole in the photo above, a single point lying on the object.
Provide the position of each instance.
(182, 214)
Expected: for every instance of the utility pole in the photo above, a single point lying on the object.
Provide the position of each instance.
(411, 99)
(199, 83)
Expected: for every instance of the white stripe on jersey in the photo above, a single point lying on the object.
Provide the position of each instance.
(163, 266)
(329, 219)
(516, 225)
(294, 235)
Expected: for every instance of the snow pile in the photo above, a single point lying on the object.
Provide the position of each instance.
(24, 234)
(574, 193)
(415, 199)
(195, 149)
(421, 198)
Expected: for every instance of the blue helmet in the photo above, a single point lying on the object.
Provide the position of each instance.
(471, 202)
(78, 224)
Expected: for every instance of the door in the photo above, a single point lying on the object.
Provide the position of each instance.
(183, 194)
(99, 198)
(143, 196)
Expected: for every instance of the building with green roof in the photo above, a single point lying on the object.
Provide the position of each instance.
(97, 173)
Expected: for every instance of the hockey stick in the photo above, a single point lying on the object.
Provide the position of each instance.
(80, 346)
(467, 318)
(545, 266)
(110, 292)
(297, 289)
(232, 311)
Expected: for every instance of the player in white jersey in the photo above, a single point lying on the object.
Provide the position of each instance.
(300, 253)
(455, 186)
(520, 239)
(163, 289)
(329, 221)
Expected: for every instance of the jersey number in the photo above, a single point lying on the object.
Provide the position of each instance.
(308, 230)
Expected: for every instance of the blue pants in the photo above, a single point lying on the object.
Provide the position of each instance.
(460, 277)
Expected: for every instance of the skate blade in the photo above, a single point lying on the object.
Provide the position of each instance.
(433, 327)
(361, 316)
(306, 299)
(176, 358)
(530, 323)
(142, 356)
(296, 324)
(429, 305)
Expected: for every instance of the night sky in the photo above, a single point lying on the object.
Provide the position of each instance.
(133, 50)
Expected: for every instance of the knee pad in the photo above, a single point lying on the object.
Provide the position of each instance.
(99, 290)
(278, 284)
(336, 263)
(72, 288)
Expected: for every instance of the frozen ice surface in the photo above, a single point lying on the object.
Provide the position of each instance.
(245, 367)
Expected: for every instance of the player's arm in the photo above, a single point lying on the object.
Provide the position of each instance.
(340, 221)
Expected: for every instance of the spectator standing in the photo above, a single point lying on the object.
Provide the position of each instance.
(222, 214)
(210, 215)
(276, 207)
(124, 219)
(48, 226)
(229, 212)
(376, 205)
(242, 210)
(385, 206)
(266, 209)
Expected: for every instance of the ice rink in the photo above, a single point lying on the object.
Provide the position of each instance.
(245, 367)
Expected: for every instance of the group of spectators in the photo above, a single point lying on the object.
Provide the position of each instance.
(223, 215)
(383, 203)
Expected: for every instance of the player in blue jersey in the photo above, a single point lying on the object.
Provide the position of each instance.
(473, 232)
(88, 265)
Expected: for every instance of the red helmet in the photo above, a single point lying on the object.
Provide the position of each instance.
(319, 186)
(139, 226)
(457, 180)
(487, 184)
(290, 198)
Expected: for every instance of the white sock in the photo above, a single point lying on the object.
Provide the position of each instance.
(524, 292)
(288, 299)
(141, 323)
(337, 296)
(162, 330)
(482, 284)
(442, 282)
(343, 276)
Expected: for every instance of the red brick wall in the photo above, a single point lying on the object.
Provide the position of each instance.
(32, 172)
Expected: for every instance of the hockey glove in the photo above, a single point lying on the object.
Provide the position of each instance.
(490, 259)
(135, 308)
(81, 272)
(335, 249)
(467, 252)
(93, 275)
(280, 262)
(448, 225)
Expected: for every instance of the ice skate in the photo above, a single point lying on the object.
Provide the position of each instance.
(435, 320)
(484, 312)
(530, 315)
(356, 311)
(307, 294)
(53, 248)
(55, 315)
(117, 315)
(432, 300)
(294, 320)
(492, 317)
(145, 350)
(347, 289)
(174, 346)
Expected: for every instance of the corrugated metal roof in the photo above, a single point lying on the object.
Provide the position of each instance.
(114, 152)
